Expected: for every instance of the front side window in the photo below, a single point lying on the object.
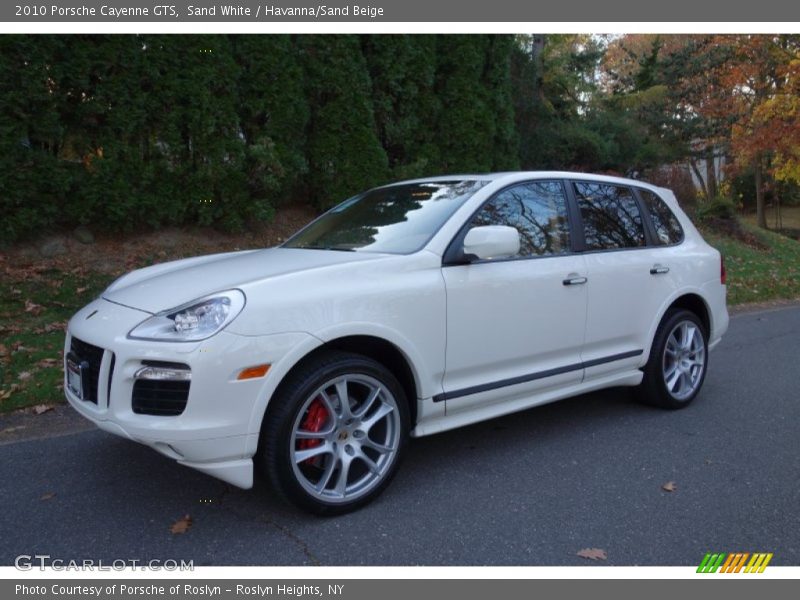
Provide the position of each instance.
(397, 219)
(610, 215)
(538, 210)
(665, 223)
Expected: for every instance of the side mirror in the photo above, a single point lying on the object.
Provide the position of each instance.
(491, 241)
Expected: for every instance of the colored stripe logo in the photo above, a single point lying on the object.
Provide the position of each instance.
(736, 562)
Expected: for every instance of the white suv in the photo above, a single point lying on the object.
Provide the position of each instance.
(407, 310)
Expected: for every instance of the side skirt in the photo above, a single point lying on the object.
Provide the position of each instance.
(511, 403)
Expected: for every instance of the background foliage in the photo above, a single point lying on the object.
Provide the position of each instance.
(126, 132)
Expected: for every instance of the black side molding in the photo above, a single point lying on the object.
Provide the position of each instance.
(485, 387)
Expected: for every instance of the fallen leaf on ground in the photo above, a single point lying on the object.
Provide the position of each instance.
(592, 553)
(33, 308)
(48, 496)
(670, 486)
(48, 362)
(6, 394)
(24, 376)
(50, 327)
(3, 350)
(181, 525)
(80, 290)
(40, 409)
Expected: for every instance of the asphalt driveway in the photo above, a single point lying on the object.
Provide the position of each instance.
(528, 489)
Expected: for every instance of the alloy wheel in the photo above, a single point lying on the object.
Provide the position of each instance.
(684, 360)
(345, 438)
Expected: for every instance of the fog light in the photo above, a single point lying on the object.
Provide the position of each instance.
(164, 372)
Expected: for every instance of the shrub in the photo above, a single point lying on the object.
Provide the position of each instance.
(718, 208)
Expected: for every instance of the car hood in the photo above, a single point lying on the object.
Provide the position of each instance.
(167, 285)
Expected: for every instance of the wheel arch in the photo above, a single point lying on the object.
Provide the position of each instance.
(696, 304)
(690, 300)
(379, 348)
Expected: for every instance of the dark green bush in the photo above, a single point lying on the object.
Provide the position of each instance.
(716, 208)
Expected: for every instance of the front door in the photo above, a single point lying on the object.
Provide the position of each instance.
(516, 326)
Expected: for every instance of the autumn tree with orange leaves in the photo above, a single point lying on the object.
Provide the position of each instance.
(765, 78)
(758, 95)
(734, 95)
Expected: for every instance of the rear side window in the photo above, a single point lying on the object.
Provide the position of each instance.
(538, 210)
(610, 215)
(665, 223)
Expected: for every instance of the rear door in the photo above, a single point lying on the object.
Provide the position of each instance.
(629, 276)
(515, 326)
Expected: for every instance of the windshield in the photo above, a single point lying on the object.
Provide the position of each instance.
(397, 219)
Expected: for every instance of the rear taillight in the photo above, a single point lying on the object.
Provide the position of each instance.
(723, 275)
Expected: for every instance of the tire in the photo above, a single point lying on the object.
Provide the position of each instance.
(323, 456)
(677, 366)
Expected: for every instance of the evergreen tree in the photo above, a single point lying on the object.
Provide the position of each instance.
(344, 153)
(273, 111)
(202, 137)
(466, 128)
(33, 182)
(499, 97)
(403, 71)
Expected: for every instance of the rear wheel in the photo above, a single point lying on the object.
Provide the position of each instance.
(334, 435)
(678, 361)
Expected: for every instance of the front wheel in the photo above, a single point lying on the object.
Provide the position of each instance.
(678, 361)
(334, 435)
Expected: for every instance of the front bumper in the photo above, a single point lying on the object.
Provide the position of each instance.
(217, 432)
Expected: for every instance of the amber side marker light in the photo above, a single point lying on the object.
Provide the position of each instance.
(253, 372)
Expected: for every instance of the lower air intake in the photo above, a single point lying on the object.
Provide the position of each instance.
(160, 398)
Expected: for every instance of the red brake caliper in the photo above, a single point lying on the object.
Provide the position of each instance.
(316, 417)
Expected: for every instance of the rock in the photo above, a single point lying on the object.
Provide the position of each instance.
(54, 246)
(83, 235)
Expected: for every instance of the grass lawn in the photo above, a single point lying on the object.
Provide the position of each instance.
(790, 217)
(38, 296)
(757, 275)
(35, 304)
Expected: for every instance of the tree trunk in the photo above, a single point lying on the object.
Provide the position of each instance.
(537, 55)
(700, 178)
(711, 175)
(761, 215)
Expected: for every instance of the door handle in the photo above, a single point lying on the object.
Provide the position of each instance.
(659, 270)
(574, 280)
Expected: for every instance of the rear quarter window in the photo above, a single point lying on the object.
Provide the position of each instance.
(665, 224)
(610, 216)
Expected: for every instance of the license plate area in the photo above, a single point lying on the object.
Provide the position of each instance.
(77, 375)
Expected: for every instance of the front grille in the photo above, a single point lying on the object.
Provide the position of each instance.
(160, 398)
(93, 356)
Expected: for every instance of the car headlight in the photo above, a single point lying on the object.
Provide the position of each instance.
(192, 322)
